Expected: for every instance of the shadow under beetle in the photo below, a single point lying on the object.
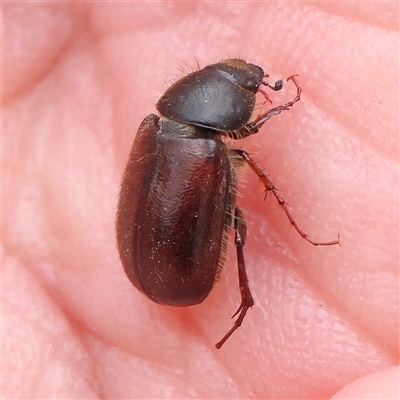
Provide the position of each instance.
(178, 190)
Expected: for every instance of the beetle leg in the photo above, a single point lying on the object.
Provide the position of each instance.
(254, 126)
(270, 187)
(246, 297)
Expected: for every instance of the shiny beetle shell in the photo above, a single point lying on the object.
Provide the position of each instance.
(174, 205)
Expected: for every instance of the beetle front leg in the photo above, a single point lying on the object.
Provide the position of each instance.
(246, 297)
(254, 126)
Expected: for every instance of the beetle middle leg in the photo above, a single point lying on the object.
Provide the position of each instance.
(246, 297)
(270, 187)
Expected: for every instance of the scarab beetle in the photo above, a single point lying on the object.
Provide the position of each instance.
(177, 196)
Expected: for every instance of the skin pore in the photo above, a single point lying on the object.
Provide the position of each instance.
(77, 81)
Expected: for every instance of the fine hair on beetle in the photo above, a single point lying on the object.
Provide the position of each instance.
(179, 190)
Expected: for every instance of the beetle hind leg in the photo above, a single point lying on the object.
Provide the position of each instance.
(246, 297)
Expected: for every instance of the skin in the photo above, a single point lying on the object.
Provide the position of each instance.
(77, 81)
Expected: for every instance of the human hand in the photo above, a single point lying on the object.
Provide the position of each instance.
(78, 80)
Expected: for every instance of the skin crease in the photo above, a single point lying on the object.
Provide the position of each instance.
(78, 80)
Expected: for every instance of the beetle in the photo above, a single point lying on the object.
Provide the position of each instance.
(177, 196)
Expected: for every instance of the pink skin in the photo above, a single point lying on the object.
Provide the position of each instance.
(78, 80)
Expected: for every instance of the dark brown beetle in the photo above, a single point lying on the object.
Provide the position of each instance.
(178, 190)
